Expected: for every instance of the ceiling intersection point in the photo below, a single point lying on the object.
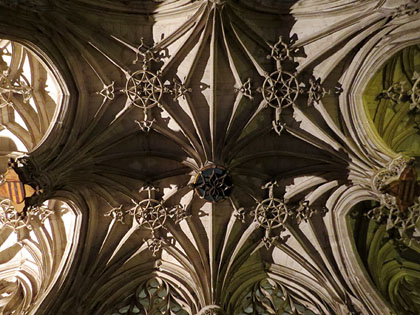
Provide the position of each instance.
(209, 157)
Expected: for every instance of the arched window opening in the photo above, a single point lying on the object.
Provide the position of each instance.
(29, 97)
(35, 240)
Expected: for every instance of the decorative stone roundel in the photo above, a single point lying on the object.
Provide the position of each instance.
(280, 89)
(144, 89)
(271, 213)
(213, 184)
(415, 94)
(151, 214)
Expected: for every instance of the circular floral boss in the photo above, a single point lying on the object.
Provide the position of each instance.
(213, 183)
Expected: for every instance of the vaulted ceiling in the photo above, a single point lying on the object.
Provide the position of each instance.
(211, 156)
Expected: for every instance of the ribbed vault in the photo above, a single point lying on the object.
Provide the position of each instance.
(212, 152)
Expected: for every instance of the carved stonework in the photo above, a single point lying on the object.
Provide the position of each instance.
(8, 88)
(399, 196)
(211, 310)
(282, 51)
(144, 89)
(315, 91)
(303, 212)
(271, 297)
(154, 296)
(155, 244)
(213, 184)
(108, 91)
(149, 213)
(272, 214)
(397, 92)
(117, 214)
(40, 181)
(10, 217)
(152, 215)
(403, 221)
(400, 92)
(145, 125)
(240, 125)
(178, 89)
(278, 126)
(146, 86)
(280, 89)
(410, 8)
(146, 54)
(415, 92)
(246, 89)
(394, 169)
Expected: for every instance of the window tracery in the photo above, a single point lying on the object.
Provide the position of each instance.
(27, 269)
(215, 113)
(29, 95)
(270, 297)
(390, 260)
(32, 228)
(395, 119)
(154, 296)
